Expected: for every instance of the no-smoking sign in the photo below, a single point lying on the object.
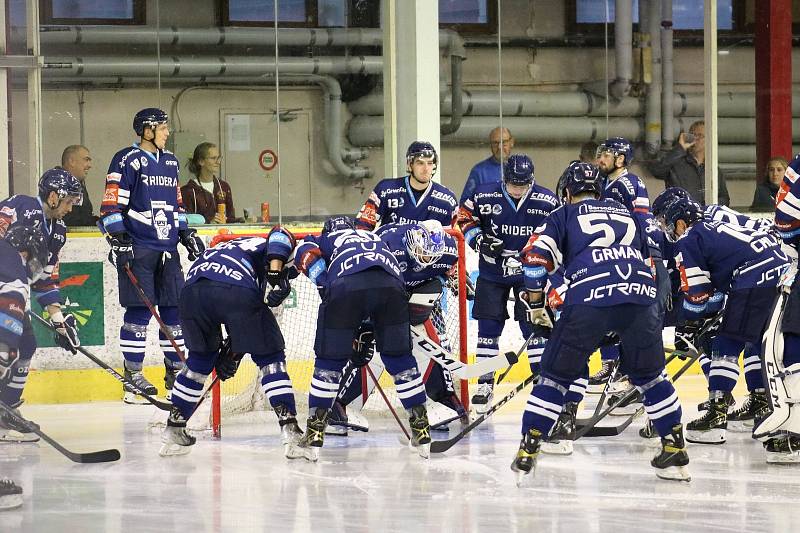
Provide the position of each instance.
(268, 159)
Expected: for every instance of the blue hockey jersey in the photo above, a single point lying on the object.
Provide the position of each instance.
(724, 257)
(492, 211)
(14, 295)
(244, 260)
(629, 190)
(329, 257)
(143, 198)
(722, 213)
(602, 249)
(28, 211)
(787, 204)
(394, 235)
(392, 201)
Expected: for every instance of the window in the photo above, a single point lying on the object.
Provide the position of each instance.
(468, 16)
(92, 11)
(584, 16)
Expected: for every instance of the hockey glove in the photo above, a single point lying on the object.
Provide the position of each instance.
(121, 249)
(535, 312)
(8, 356)
(686, 337)
(488, 245)
(279, 288)
(66, 335)
(227, 362)
(363, 345)
(192, 242)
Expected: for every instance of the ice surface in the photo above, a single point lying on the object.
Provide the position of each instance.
(367, 482)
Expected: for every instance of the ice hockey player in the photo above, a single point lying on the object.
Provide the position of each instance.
(614, 157)
(58, 192)
(496, 222)
(234, 284)
(426, 255)
(745, 263)
(142, 213)
(411, 198)
(10, 494)
(602, 249)
(358, 278)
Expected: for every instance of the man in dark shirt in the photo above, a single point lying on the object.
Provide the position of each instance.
(77, 161)
(684, 165)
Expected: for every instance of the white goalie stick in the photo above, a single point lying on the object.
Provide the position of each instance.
(422, 345)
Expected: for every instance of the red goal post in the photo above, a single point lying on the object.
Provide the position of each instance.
(297, 316)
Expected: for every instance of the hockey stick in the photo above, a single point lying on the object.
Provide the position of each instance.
(517, 355)
(434, 351)
(164, 406)
(589, 425)
(388, 403)
(145, 300)
(103, 456)
(439, 446)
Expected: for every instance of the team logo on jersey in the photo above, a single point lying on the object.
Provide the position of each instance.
(403, 266)
(497, 209)
(144, 161)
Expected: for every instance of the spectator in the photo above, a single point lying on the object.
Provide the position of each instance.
(206, 190)
(767, 188)
(684, 165)
(76, 160)
(589, 152)
(489, 170)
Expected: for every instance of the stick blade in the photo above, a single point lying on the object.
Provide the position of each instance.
(441, 446)
(103, 456)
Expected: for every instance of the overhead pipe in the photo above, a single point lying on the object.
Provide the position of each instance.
(623, 49)
(653, 96)
(667, 75)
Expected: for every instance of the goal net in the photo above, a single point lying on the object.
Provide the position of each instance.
(236, 398)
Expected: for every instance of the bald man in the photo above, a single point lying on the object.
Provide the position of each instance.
(489, 170)
(77, 161)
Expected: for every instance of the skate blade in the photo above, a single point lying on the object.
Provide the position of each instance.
(522, 478)
(674, 473)
(134, 399)
(628, 410)
(775, 458)
(563, 447)
(714, 436)
(481, 408)
(423, 450)
(741, 426)
(12, 501)
(340, 431)
(295, 451)
(15, 437)
(171, 449)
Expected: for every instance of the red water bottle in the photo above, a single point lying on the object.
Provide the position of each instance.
(265, 212)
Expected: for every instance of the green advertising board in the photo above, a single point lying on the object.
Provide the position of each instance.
(82, 295)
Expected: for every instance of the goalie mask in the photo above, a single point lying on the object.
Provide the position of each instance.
(425, 242)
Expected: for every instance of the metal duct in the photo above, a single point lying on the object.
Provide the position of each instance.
(623, 48)
(667, 75)
(653, 96)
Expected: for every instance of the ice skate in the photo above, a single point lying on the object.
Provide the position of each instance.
(729, 399)
(709, 428)
(754, 406)
(136, 377)
(10, 494)
(482, 400)
(560, 440)
(598, 380)
(649, 433)
(626, 407)
(784, 449)
(312, 440)
(11, 430)
(175, 439)
(337, 421)
(170, 373)
(525, 461)
(671, 462)
(290, 431)
(420, 431)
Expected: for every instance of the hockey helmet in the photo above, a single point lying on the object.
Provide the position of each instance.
(62, 183)
(518, 170)
(578, 178)
(617, 146)
(681, 209)
(149, 117)
(339, 223)
(665, 198)
(30, 240)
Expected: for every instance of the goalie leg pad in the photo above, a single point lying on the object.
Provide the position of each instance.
(660, 402)
(275, 381)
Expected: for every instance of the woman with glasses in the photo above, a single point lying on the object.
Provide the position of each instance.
(206, 193)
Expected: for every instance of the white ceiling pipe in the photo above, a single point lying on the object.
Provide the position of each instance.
(667, 75)
(623, 48)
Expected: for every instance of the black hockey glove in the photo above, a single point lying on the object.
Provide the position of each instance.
(8, 356)
(686, 337)
(278, 287)
(227, 362)
(121, 249)
(66, 335)
(192, 242)
(363, 345)
(488, 245)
